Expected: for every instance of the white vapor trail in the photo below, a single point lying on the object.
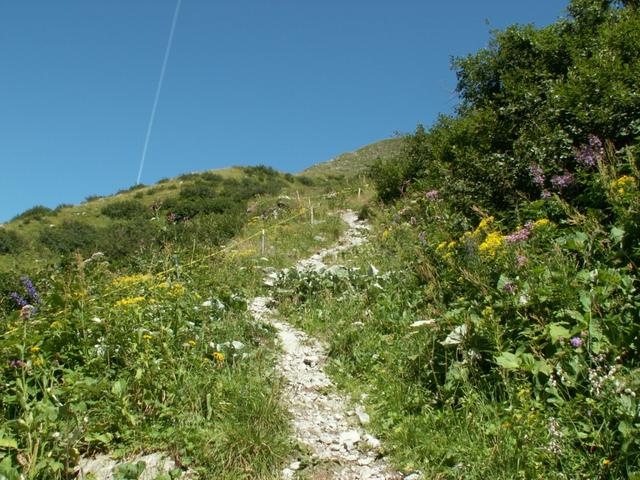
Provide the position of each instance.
(155, 101)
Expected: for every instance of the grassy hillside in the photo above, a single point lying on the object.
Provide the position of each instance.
(126, 326)
(356, 163)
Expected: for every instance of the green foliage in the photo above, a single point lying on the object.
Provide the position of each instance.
(533, 98)
(125, 209)
(34, 213)
(11, 243)
(69, 237)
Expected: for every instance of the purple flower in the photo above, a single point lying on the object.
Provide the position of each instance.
(537, 174)
(27, 312)
(432, 195)
(422, 236)
(545, 194)
(589, 155)
(509, 287)
(31, 290)
(17, 363)
(522, 260)
(19, 300)
(576, 342)
(560, 182)
(519, 236)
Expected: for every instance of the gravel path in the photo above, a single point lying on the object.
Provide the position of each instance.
(334, 435)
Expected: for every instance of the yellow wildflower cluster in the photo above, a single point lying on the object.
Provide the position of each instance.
(386, 234)
(492, 242)
(543, 222)
(449, 246)
(129, 301)
(482, 227)
(219, 356)
(131, 280)
(624, 184)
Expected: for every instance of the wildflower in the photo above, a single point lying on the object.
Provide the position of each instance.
(219, 356)
(545, 194)
(18, 299)
(590, 154)
(537, 174)
(543, 222)
(147, 337)
(34, 349)
(606, 462)
(17, 363)
(560, 182)
(509, 287)
(38, 362)
(385, 234)
(56, 325)
(441, 246)
(131, 280)
(623, 183)
(521, 260)
(432, 195)
(484, 223)
(31, 290)
(491, 244)
(519, 236)
(576, 342)
(422, 237)
(555, 434)
(451, 245)
(26, 312)
(129, 301)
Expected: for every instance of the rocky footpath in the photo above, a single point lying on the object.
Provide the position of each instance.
(324, 421)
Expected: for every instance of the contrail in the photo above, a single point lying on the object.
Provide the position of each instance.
(155, 101)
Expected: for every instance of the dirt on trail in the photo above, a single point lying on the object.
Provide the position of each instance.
(324, 421)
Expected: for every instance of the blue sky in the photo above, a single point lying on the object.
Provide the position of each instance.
(286, 83)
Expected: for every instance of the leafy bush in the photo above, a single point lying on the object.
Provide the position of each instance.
(70, 237)
(35, 213)
(125, 209)
(11, 243)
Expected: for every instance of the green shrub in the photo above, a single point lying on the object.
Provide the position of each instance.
(125, 209)
(305, 180)
(70, 237)
(35, 213)
(11, 243)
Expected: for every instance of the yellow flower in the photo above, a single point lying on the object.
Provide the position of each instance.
(37, 362)
(452, 245)
(129, 301)
(34, 349)
(219, 356)
(623, 182)
(177, 289)
(146, 336)
(192, 343)
(606, 461)
(541, 222)
(621, 190)
(441, 246)
(491, 244)
(385, 234)
(56, 325)
(131, 280)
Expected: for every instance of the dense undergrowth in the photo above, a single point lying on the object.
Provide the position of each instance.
(494, 318)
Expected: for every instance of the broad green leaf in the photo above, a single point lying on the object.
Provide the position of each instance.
(585, 300)
(508, 360)
(6, 442)
(557, 331)
(617, 234)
